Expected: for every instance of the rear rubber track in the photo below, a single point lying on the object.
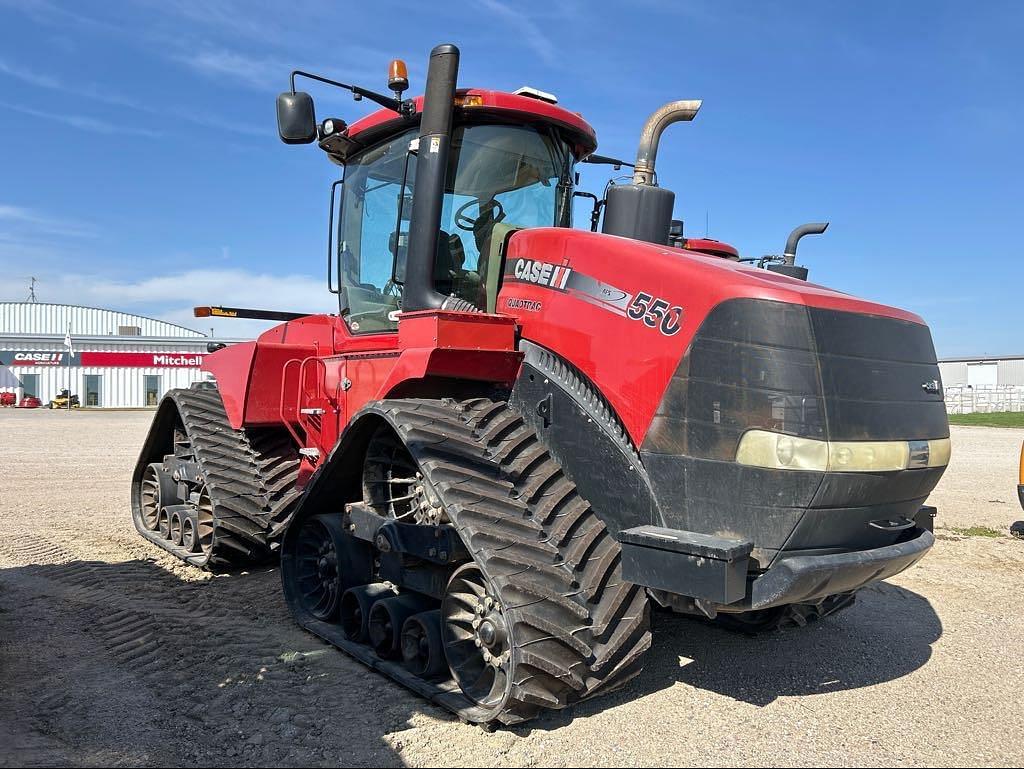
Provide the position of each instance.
(578, 628)
(248, 477)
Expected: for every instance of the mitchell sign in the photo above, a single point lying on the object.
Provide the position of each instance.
(23, 359)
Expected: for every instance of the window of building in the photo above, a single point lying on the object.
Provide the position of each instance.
(93, 390)
(151, 385)
(30, 384)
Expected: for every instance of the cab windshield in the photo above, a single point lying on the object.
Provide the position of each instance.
(500, 178)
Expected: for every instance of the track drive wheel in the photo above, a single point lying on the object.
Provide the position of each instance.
(325, 562)
(476, 638)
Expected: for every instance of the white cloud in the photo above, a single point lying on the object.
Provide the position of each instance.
(533, 35)
(83, 122)
(31, 77)
(105, 95)
(171, 297)
(27, 220)
(218, 63)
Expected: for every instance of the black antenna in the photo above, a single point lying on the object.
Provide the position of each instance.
(706, 219)
(32, 291)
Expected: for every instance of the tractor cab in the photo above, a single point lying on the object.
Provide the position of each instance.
(509, 164)
(501, 177)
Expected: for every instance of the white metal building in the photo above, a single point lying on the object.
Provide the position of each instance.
(983, 384)
(983, 371)
(120, 360)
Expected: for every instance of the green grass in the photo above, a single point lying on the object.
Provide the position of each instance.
(976, 531)
(996, 419)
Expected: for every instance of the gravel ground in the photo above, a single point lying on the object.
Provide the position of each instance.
(112, 653)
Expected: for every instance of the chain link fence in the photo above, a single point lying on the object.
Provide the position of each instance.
(984, 399)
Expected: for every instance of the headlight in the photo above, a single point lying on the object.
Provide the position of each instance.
(761, 448)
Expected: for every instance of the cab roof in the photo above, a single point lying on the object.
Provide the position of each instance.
(469, 102)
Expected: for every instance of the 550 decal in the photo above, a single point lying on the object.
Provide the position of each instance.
(656, 313)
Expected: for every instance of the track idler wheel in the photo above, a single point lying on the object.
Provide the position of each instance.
(422, 648)
(158, 491)
(387, 618)
(355, 609)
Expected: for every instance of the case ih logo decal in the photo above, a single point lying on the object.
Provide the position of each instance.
(541, 273)
(124, 359)
(652, 311)
(35, 358)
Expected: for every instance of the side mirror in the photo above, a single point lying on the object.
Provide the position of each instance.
(296, 118)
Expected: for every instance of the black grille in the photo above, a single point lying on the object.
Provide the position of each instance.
(800, 371)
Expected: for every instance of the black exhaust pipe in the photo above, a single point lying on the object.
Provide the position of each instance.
(431, 173)
(812, 228)
(788, 265)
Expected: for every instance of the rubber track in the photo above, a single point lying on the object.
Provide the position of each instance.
(580, 629)
(250, 482)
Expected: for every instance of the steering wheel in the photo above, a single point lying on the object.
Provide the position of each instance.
(468, 223)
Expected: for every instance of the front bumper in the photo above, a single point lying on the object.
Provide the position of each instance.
(714, 571)
(806, 578)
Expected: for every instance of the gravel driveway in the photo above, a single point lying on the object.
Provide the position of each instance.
(112, 653)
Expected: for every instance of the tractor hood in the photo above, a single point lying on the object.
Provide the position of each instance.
(764, 408)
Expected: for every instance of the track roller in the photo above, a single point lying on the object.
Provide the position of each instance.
(422, 648)
(175, 526)
(189, 532)
(355, 609)
(163, 525)
(387, 618)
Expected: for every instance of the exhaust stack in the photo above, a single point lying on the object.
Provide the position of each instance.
(788, 265)
(812, 228)
(642, 210)
(650, 136)
(431, 170)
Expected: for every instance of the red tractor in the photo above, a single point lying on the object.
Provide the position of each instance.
(514, 438)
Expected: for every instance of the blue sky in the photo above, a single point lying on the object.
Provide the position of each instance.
(140, 167)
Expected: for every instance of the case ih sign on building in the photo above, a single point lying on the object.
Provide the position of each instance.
(120, 360)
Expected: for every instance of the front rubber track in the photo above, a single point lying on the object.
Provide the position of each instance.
(249, 478)
(578, 629)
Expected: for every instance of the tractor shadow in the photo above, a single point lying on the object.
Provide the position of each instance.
(215, 672)
(887, 634)
(132, 663)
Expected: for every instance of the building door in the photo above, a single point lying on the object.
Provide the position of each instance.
(151, 386)
(982, 374)
(29, 384)
(93, 390)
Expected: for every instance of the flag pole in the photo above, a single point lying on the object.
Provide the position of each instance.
(70, 354)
